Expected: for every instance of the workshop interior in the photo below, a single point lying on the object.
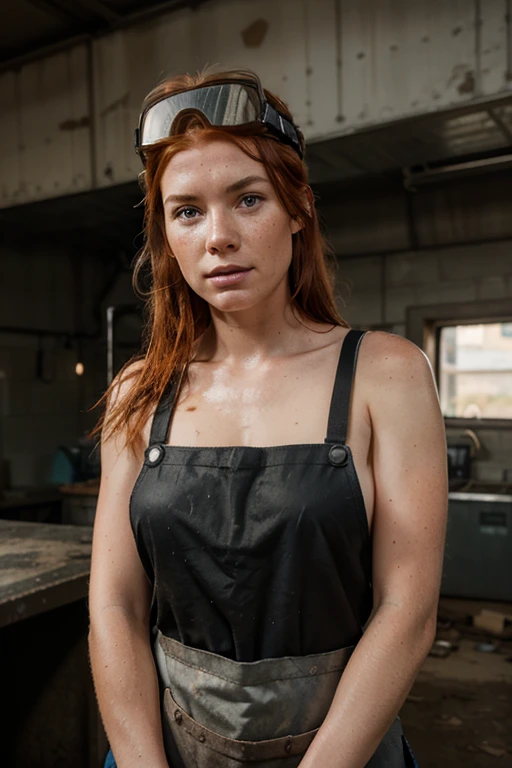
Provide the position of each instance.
(406, 109)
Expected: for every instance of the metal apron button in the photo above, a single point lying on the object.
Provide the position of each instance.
(338, 455)
(288, 745)
(155, 454)
(178, 716)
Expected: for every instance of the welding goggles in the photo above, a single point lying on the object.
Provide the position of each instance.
(223, 104)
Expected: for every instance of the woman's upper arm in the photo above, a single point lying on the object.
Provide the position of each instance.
(117, 575)
(410, 474)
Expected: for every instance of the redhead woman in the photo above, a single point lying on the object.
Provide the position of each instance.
(270, 525)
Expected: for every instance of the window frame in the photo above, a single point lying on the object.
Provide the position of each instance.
(423, 327)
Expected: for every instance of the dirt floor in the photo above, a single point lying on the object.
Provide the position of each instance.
(459, 711)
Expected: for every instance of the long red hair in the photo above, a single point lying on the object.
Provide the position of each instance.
(176, 316)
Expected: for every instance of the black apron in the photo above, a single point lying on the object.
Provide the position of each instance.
(261, 564)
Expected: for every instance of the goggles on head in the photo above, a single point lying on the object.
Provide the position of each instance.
(223, 104)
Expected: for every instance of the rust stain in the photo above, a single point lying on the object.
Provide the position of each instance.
(468, 84)
(73, 125)
(254, 35)
(459, 72)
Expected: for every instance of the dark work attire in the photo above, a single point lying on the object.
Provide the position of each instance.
(261, 565)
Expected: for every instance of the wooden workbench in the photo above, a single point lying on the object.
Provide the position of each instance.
(42, 566)
(51, 718)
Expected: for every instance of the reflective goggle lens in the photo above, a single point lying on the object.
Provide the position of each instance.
(223, 104)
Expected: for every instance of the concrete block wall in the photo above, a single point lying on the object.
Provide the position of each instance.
(376, 291)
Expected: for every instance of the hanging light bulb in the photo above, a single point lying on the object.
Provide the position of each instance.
(79, 369)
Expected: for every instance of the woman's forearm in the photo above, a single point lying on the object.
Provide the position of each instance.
(372, 689)
(127, 689)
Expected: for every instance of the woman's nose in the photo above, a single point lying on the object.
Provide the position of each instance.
(221, 236)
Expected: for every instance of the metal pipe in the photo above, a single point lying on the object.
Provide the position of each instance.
(413, 179)
(508, 16)
(110, 344)
(339, 61)
(91, 105)
(478, 48)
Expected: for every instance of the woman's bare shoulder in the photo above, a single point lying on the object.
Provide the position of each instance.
(124, 381)
(388, 362)
(387, 349)
(114, 438)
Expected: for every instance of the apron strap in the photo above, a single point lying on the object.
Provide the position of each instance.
(337, 426)
(163, 414)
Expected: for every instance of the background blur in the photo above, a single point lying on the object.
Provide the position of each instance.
(407, 110)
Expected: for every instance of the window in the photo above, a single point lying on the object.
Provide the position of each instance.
(475, 371)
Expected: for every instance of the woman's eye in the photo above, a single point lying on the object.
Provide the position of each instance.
(186, 213)
(251, 200)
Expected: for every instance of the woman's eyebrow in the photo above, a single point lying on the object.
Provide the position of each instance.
(236, 187)
(245, 182)
(180, 199)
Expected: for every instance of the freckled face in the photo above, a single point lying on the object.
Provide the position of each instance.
(226, 227)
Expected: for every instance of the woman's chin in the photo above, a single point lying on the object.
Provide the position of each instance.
(233, 301)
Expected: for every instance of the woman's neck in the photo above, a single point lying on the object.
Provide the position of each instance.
(271, 329)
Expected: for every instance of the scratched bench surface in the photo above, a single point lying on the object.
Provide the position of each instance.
(42, 567)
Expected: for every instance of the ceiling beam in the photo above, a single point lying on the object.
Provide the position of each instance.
(54, 9)
(82, 31)
(99, 9)
(83, 11)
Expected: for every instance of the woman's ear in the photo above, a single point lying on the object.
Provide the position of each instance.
(309, 203)
(296, 226)
(310, 200)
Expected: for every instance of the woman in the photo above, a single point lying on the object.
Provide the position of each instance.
(261, 502)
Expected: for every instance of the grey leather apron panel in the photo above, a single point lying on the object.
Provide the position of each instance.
(244, 700)
(199, 747)
(221, 712)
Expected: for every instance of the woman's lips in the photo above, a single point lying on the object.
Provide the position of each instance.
(229, 278)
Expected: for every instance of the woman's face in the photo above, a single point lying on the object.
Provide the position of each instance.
(225, 226)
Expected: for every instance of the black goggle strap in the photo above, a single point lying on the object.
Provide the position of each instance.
(282, 126)
(277, 123)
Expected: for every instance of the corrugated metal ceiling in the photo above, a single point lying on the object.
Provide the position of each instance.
(30, 26)
(476, 130)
